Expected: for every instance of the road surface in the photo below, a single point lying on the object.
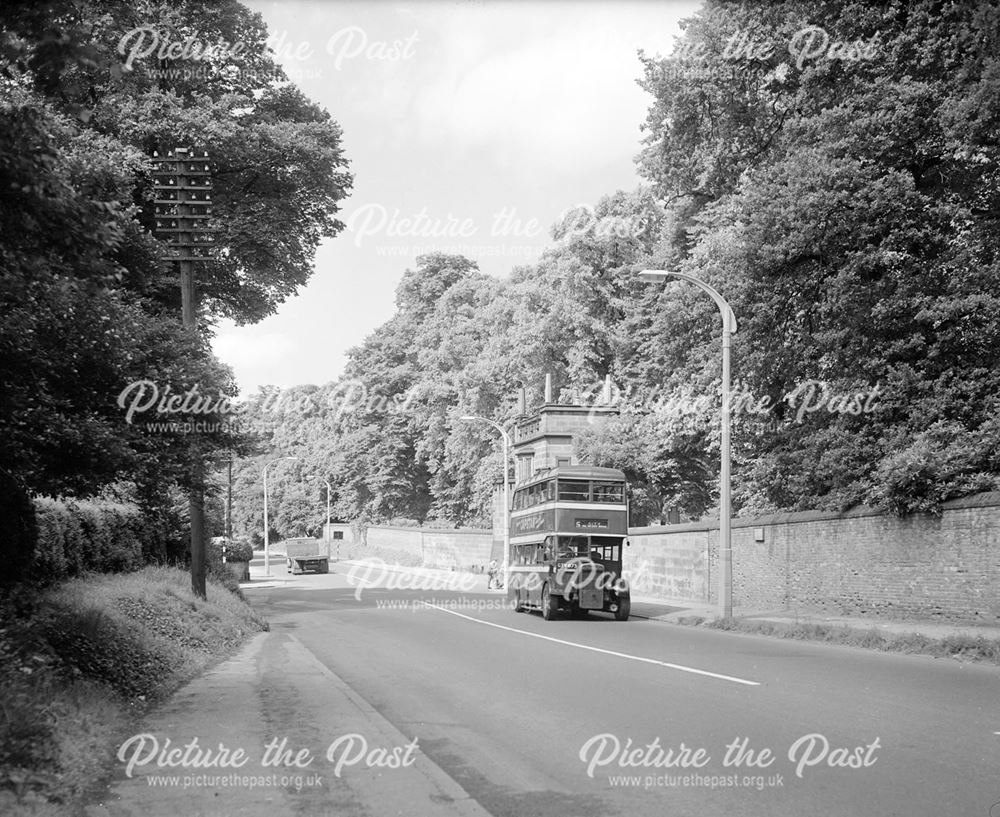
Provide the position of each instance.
(595, 718)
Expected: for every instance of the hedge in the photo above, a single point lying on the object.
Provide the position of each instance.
(75, 536)
(238, 550)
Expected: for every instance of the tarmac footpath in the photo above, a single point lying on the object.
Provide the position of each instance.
(274, 732)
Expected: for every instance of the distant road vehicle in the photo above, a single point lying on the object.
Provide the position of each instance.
(307, 554)
(568, 526)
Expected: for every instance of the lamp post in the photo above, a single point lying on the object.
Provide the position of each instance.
(725, 489)
(267, 530)
(506, 493)
(326, 530)
(229, 503)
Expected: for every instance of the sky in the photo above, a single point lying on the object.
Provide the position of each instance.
(470, 127)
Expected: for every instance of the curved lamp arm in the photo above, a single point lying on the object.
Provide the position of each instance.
(728, 316)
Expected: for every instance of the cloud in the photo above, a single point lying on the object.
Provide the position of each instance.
(539, 89)
(253, 356)
(499, 107)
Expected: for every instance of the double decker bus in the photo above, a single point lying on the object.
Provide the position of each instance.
(568, 526)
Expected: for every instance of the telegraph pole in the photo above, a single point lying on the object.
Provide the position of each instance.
(182, 184)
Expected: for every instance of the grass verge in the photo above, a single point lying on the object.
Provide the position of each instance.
(78, 664)
(963, 647)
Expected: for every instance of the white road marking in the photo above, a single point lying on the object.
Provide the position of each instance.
(629, 656)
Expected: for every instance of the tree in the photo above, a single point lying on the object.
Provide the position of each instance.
(73, 340)
(847, 208)
(280, 171)
(847, 211)
(90, 307)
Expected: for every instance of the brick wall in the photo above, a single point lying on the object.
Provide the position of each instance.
(856, 563)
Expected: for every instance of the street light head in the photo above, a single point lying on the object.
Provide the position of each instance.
(467, 417)
(728, 317)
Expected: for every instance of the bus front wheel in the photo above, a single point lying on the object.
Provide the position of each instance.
(624, 608)
(549, 604)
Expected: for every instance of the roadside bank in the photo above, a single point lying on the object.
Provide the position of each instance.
(80, 661)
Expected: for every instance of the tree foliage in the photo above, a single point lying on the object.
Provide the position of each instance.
(90, 307)
(847, 209)
(846, 205)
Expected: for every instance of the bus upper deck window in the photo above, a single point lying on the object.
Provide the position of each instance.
(574, 490)
(608, 492)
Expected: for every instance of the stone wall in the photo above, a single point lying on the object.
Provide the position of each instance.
(457, 549)
(860, 562)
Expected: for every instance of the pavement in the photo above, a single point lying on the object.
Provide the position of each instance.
(275, 698)
(938, 630)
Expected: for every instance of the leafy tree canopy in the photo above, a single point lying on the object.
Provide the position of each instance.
(845, 206)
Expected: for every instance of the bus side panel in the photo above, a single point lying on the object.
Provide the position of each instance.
(528, 581)
(604, 521)
(535, 584)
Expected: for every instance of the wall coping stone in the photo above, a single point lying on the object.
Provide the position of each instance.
(983, 500)
(430, 530)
